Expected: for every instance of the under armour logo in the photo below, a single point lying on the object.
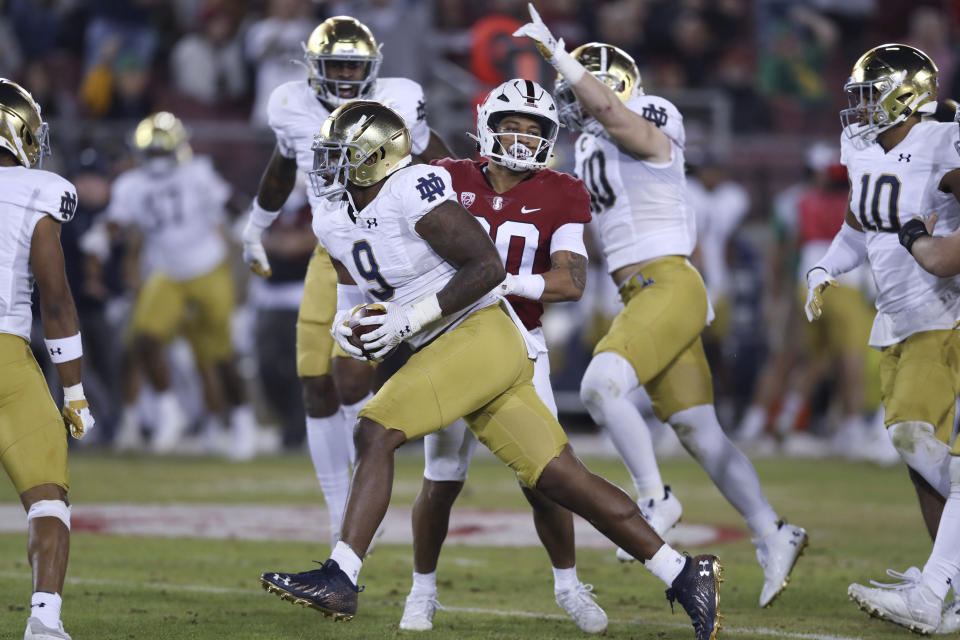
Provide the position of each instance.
(56, 351)
(704, 568)
(645, 282)
(39, 605)
(371, 223)
(430, 187)
(904, 157)
(657, 116)
(68, 205)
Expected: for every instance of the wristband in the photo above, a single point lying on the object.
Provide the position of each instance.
(910, 231)
(530, 286)
(73, 392)
(425, 310)
(64, 349)
(260, 217)
(567, 66)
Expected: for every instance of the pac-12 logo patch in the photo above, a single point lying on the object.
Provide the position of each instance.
(467, 198)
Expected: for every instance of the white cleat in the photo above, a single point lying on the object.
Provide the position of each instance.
(661, 515)
(777, 553)
(243, 435)
(907, 603)
(418, 612)
(950, 615)
(36, 630)
(580, 604)
(950, 618)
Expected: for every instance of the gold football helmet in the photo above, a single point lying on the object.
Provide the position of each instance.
(611, 65)
(22, 131)
(342, 41)
(888, 84)
(160, 134)
(361, 142)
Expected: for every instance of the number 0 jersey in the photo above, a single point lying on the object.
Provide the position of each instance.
(26, 196)
(296, 115)
(180, 213)
(886, 190)
(641, 207)
(381, 249)
(522, 221)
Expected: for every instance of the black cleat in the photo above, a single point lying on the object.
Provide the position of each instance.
(327, 589)
(697, 588)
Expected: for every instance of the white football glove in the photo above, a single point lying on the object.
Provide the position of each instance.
(817, 280)
(396, 325)
(253, 252)
(537, 31)
(342, 332)
(76, 411)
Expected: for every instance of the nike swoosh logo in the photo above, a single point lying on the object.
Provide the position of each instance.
(525, 210)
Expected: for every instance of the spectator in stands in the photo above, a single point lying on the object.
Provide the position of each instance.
(117, 85)
(272, 46)
(38, 25)
(208, 65)
(11, 55)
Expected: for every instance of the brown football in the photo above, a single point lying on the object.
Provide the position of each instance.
(360, 329)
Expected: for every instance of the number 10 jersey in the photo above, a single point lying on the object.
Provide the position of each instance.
(887, 189)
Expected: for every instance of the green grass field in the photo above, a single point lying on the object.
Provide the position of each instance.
(861, 519)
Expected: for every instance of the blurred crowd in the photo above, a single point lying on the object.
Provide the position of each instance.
(759, 83)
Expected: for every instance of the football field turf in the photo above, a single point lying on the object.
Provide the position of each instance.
(861, 520)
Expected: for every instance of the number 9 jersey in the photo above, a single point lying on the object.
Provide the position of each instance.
(886, 190)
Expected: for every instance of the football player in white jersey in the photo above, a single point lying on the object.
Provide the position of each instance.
(171, 210)
(630, 155)
(342, 57)
(536, 217)
(33, 441)
(902, 166)
(399, 239)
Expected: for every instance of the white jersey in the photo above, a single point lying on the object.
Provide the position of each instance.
(887, 190)
(296, 115)
(180, 213)
(640, 207)
(26, 195)
(718, 212)
(380, 247)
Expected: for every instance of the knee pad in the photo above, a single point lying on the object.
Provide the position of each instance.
(923, 452)
(50, 509)
(609, 376)
(448, 452)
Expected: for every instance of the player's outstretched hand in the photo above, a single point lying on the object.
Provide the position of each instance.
(253, 252)
(76, 412)
(537, 31)
(817, 280)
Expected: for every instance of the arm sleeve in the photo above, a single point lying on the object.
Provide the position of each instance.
(847, 251)
(568, 237)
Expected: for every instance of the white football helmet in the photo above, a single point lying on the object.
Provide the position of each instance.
(526, 98)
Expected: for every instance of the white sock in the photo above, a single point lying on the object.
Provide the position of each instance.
(565, 579)
(46, 607)
(242, 419)
(350, 412)
(730, 470)
(666, 564)
(168, 407)
(752, 424)
(331, 462)
(944, 562)
(424, 583)
(350, 563)
(789, 411)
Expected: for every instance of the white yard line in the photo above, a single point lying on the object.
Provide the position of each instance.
(162, 586)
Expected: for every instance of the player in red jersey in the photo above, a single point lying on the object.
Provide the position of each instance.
(535, 216)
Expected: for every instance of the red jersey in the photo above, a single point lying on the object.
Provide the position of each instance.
(522, 220)
(821, 214)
